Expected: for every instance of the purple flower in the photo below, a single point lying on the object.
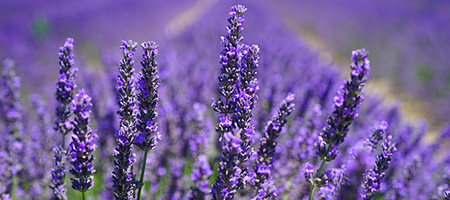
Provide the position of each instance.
(346, 107)
(309, 172)
(266, 149)
(148, 98)
(235, 149)
(82, 145)
(65, 87)
(58, 173)
(123, 175)
(374, 177)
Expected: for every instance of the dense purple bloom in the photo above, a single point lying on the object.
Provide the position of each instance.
(64, 95)
(346, 105)
(58, 173)
(123, 176)
(374, 177)
(148, 98)
(266, 150)
(65, 88)
(230, 172)
(82, 145)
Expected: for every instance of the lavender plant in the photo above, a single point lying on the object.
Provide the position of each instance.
(59, 173)
(374, 177)
(123, 175)
(230, 171)
(82, 145)
(63, 125)
(262, 179)
(148, 100)
(346, 105)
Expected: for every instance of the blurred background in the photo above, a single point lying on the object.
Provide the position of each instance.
(408, 41)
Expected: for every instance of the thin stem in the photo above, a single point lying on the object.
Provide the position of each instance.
(63, 141)
(83, 195)
(141, 180)
(319, 173)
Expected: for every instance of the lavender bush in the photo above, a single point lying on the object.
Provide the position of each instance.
(154, 137)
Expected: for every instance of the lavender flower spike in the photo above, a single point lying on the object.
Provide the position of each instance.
(64, 88)
(229, 179)
(266, 149)
(374, 177)
(148, 100)
(82, 145)
(246, 98)
(123, 175)
(346, 106)
(58, 173)
(64, 95)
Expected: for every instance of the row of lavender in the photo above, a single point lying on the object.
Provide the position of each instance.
(255, 158)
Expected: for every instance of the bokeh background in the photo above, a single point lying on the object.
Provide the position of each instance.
(408, 41)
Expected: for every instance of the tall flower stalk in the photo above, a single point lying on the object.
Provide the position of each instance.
(346, 106)
(64, 89)
(123, 176)
(148, 100)
(63, 125)
(229, 179)
(82, 145)
(266, 151)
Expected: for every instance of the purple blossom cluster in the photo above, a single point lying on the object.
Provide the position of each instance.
(83, 144)
(157, 141)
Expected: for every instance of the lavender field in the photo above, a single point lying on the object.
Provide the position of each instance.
(209, 99)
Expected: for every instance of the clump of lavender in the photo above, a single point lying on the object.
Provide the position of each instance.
(82, 145)
(346, 106)
(63, 125)
(374, 177)
(11, 106)
(229, 179)
(201, 170)
(123, 176)
(266, 150)
(59, 173)
(148, 100)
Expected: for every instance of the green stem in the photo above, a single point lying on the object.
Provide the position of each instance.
(83, 195)
(141, 180)
(319, 173)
